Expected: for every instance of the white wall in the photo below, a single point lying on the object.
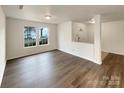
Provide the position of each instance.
(2, 44)
(91, 30)
(97, 39)
(113, 37)
(15, 46)
(65, 43)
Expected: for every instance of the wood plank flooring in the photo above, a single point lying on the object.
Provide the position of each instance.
(62, 70)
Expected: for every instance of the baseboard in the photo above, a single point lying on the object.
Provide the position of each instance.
(113, 52)
(30, 54)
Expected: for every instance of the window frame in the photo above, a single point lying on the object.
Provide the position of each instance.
(37, 37)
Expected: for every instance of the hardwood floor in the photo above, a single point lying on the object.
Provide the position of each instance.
(59, 69)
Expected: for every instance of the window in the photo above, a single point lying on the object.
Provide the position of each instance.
(35, 35)
(43, 36)
(29, 36)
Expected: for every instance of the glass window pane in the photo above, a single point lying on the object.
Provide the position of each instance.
(29, 36)
(43, 36)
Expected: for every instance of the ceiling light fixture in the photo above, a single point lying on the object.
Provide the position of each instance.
(48, 17)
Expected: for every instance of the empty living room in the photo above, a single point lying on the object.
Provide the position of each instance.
(61, 46)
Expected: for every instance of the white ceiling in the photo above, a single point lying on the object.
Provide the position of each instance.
(61, 13)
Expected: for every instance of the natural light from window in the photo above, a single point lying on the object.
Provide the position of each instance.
(34, 36)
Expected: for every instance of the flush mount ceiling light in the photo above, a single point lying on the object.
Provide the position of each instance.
(48, 17)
